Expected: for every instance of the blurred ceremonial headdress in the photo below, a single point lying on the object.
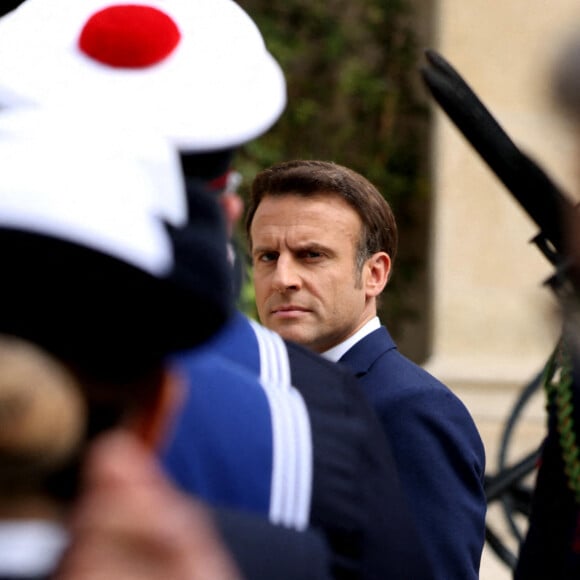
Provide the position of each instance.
(196, 71)
(88, 262)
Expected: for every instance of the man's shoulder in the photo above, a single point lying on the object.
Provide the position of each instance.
(387, 374)
(406, 370)
(382, 355)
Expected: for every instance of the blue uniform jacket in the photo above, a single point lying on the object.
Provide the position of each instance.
(437, 449)
(238, 443)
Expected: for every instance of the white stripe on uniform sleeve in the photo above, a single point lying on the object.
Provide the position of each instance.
(274, 363)
(291, 489)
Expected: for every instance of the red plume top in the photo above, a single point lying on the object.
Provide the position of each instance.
(129, 36)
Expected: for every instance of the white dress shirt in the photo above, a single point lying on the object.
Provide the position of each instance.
(336, 352)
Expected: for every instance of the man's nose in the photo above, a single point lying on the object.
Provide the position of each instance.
(286, 276)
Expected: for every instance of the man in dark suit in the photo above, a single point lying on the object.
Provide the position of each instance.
(356, 499)
(323, 241)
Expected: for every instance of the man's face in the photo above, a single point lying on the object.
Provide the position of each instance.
(307, 286)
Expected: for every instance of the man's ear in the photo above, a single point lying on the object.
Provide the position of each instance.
(153, 423)
(377, 269)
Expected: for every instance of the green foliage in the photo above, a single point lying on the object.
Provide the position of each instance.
(247, 297)
(351, 70)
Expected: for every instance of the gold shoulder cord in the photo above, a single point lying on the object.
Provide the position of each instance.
(558, 381)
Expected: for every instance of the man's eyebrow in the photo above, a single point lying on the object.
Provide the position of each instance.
(262, 248)
(310, 244)
(307, 245)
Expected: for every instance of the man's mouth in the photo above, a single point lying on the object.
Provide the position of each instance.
(288, 311)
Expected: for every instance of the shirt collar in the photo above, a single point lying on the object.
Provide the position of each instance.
(335, 353)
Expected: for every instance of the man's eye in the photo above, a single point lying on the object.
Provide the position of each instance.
(311, 254)
(267, 257)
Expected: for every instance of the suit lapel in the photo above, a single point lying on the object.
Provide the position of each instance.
(364, 353)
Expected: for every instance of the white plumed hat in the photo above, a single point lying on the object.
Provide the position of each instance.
(196, 71)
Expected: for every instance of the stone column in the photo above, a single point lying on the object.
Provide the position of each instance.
(493, 321)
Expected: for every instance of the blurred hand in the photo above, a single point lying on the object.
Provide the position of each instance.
(131, 524)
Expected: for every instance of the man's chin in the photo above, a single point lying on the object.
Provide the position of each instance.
(289, 330)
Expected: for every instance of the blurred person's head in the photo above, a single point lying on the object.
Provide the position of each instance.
(92, 290)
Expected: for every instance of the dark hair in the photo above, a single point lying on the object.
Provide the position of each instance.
(310, 177)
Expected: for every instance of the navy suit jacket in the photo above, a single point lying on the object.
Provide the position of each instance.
(437, 449)
(262, 550)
